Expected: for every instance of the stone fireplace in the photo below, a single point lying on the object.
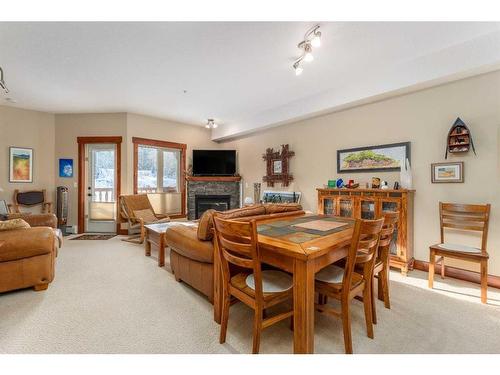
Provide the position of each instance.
(219, 193)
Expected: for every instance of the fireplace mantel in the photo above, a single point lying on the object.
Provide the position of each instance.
(214, 178)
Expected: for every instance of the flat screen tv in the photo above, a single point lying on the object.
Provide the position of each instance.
(214, 162)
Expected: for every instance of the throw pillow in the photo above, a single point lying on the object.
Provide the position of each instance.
(147, 215)
(206, 225)
(13, 224)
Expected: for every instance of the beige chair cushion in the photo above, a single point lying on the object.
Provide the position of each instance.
(13, 224)
(147, 215)
(459, 248)
(331, 274)
(272, 281)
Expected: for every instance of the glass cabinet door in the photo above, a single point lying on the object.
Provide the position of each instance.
(368, 209)
(329, 206)
(346, 207)
(388, 205)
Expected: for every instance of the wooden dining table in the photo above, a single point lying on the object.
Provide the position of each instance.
(301, 245)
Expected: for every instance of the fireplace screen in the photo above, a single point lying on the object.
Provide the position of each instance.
(216, 202)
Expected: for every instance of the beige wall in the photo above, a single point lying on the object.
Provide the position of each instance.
(31, 129)
(196, 137)
(126, 125)
(71, 126)
(423, 118)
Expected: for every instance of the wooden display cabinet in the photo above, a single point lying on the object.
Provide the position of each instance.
(370, 204)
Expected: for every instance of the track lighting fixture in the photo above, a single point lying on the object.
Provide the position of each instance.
(211, 124)
(312, 38)
(298, 68)
(2, 82)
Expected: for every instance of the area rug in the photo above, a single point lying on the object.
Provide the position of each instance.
(100, 237)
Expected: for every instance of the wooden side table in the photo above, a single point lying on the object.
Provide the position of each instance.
(155, 238)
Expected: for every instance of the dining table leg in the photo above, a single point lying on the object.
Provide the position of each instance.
(303, 307)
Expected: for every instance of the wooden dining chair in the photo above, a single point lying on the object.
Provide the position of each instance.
(463, 217)
(236, 243)
(381, 267)
(345, 284)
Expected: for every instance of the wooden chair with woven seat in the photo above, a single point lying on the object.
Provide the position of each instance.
(345, 284)
(236, 244)
(463, 217)
(381, 267)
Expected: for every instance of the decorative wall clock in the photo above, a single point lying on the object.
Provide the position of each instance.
(277, 166)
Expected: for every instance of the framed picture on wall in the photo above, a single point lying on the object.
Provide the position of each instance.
(20, 164)
(65, 167)
(381, 158)
(447, 172)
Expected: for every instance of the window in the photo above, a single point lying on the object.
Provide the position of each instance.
(158, 171)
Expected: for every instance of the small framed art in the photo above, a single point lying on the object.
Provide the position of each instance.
(447, 172)
(65, 167)
(20, 164)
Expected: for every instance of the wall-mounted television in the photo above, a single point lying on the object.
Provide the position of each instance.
(214, 162)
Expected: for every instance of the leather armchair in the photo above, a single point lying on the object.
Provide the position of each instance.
(27, 255)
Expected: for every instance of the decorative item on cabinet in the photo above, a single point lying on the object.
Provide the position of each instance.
(256, 192)
(396, 186)
(332, 183)
(459, 139)
(278, 167)
(375, 182)
(371, 204)
(384, 185)
(405, 176)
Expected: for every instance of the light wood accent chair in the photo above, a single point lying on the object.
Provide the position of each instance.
(381, 268)
(464, 217)
(137, 210)
(29, 199)
(344, 284)
(236, 244)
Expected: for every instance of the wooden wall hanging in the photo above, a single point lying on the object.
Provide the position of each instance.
(278, 166)
(459, 139)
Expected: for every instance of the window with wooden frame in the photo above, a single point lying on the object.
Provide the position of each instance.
(159, 171)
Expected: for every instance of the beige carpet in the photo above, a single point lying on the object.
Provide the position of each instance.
(109, 298)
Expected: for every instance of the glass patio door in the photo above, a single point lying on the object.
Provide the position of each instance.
(100, 215)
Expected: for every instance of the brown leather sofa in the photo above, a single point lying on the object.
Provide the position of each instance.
(192, 248)
(27, 255)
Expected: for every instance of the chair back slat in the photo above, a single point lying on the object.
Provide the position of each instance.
(363, 249)
(237, 260)
(236, 243)
(467, 217)
(387, 234)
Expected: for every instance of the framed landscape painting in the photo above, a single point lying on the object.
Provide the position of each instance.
(20, 164)
(447, 172)
(383, 158)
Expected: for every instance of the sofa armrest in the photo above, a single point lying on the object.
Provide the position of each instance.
(26, 242)
(42, 220)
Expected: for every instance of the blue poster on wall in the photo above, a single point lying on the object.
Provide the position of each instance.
(65, 167)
